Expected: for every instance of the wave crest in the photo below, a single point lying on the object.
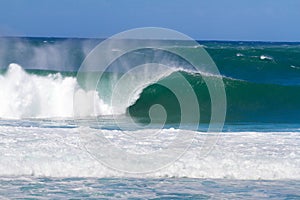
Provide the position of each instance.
(26, 95)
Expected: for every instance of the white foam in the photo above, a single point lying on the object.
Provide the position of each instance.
(243, 155)
(295, 67)
(24, 95)
(264, 57)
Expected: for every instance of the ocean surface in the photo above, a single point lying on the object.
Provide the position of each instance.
(49, 116)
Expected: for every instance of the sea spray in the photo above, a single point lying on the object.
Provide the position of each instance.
(26, 95)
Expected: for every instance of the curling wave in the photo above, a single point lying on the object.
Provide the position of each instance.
(32, 95)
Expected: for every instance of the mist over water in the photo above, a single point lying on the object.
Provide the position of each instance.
(56, 54)
(261, 62)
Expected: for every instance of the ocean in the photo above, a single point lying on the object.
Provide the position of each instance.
(54, 118)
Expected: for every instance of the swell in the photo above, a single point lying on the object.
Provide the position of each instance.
(276, 63)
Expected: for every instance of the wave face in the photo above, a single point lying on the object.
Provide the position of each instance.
(246, 101)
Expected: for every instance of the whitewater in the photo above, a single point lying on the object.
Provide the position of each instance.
(26, 95)
(59, 152)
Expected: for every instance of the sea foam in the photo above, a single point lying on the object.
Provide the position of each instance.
(24, 95)
(58, 152)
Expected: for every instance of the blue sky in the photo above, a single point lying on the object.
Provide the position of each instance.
(266, 20)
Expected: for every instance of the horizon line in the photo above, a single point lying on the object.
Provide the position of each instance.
(204, 40)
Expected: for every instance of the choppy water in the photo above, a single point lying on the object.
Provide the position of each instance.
(134, 188)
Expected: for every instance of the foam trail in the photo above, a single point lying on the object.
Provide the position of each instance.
(265, 57)
(30, 96)
(295, 67)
